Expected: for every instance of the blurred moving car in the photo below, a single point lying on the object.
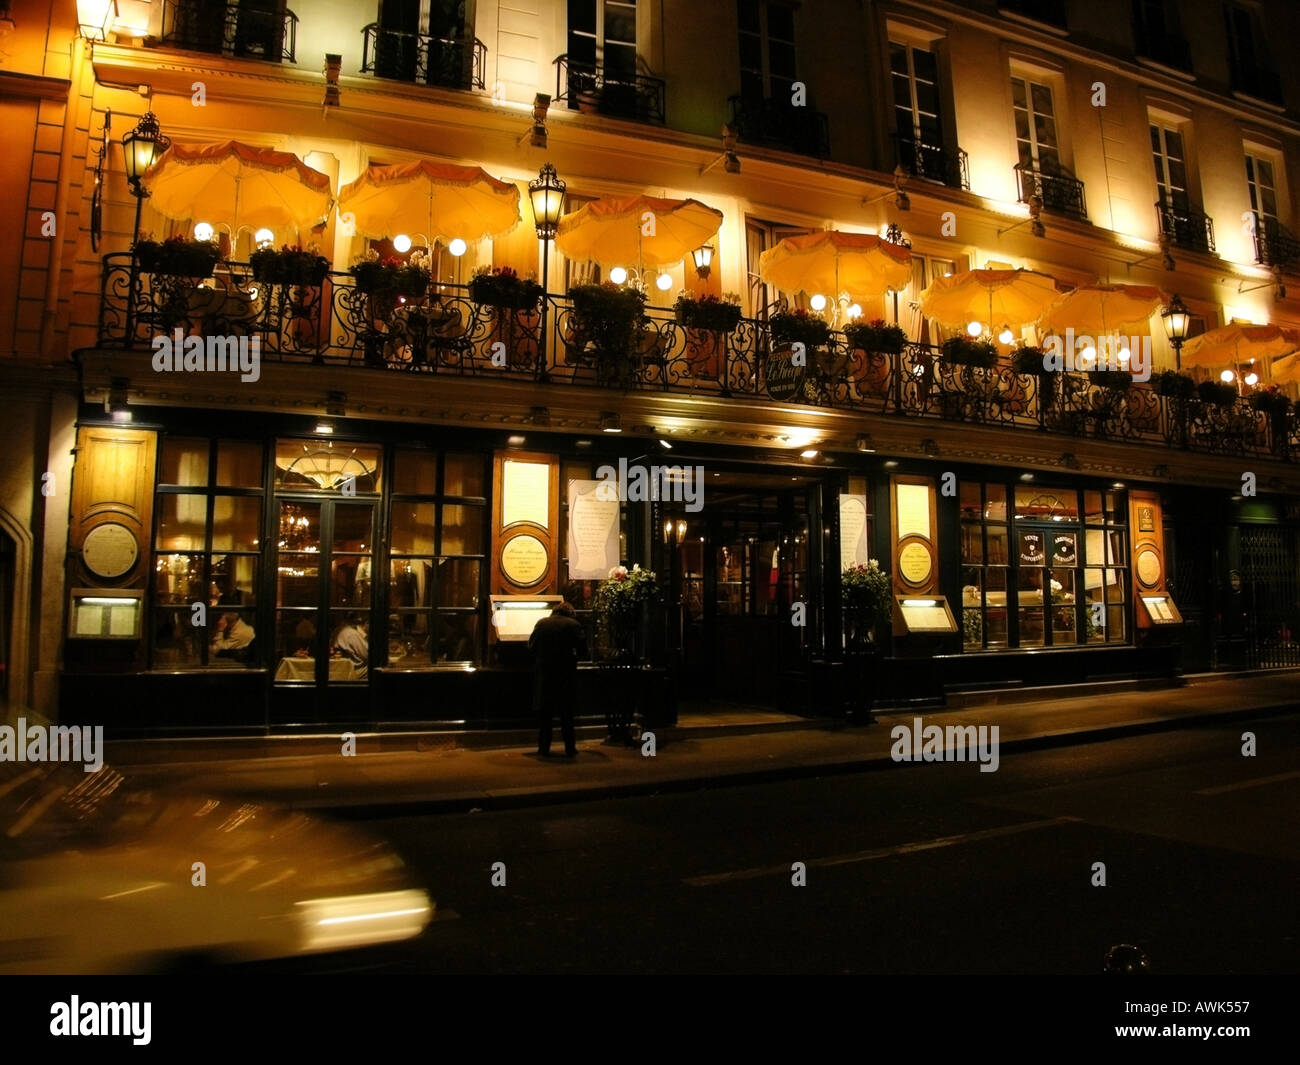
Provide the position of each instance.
(98, 876)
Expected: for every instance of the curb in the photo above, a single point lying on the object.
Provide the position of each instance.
(523, 799)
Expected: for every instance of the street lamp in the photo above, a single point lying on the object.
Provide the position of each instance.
(703, 257)
(546, 192)
(140, 147)
(1177, 319)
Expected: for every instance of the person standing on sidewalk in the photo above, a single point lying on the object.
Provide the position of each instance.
(557, 642)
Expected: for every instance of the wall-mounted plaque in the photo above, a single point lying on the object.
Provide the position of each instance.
(110, 550)
(1146, 519)
(1148, 567)
(913, 510)
(784, 378)
(526, 493)
(915, 563)
(523, 560)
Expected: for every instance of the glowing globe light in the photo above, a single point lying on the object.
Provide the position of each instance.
(457, 247)
(855, 310)
(203, 231)
(1227, 377)
(1124, 354)
(663, 282)
(618, 275)
(974, 329)
(1006, 336)
(1252, 379)
(402, 243)
(1087, 356)
(264, 237)
(818, 302)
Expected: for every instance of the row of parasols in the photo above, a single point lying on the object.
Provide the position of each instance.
(441, 201)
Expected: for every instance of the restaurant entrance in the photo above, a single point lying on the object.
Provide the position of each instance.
(736, 569)
(323, 599)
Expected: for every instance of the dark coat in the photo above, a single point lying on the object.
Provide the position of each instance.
(557, 643)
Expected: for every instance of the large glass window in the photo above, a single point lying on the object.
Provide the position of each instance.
(1171, 167)
(207, 544)
(1035, 115)
(1049, 574)
(915, 76)
(602, 33)
(437, 559)
(1262, 186)
(767, 51)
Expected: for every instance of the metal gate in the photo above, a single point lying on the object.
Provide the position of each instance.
(1271, 586)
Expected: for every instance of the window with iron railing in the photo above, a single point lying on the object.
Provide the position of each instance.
(1156, 36)
(250, 29)
(425, 43)
(1251, 72)
(920, 145)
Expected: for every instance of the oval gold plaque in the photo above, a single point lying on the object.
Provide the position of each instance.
(915, 564)
(1148, 567)
(523, 560)
(109, 550)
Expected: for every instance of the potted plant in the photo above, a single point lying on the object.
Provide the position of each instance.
(1173, 385)
(502, 287)
(865, 595)
(972, 628)
(1032, 362)
(1271, 400)
(289, 266)
(621, 606)
(179, 256)
(1113, 380)
(875, 336)
(1217, 393)
(388, 278)
(967, 351)
(610, 318)
(719, 315)
(798, 327)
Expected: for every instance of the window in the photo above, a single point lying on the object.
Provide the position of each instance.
(767, 51)
(437, 548)
(1036, 140)
(914, 73)
(1262, 184)
(759, 237)
(904, 308)
(602, 35)
(1047, 575)
(1241, 37)
(1171, 169)
(207, 543)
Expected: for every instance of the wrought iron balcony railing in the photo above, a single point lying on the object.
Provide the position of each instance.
(1061, 191)
(1257, 81)
(1051, 12)
(932, 162)
(1186, 227)
(423, 59)
(1166, 48)
(776, 124)
(586, 87)
(444, 331)
(1275, 245)
(235, 30)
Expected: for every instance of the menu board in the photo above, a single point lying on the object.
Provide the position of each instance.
(526, 493)
(593, 532)
(913, 510)
(927, 615)
(1162, 610)
(853, 531)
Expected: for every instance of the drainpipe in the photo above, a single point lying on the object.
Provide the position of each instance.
(63, 192)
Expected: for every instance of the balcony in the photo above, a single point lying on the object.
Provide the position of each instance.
(1048, 12)
(586, 87)
(932, 162)
(1168, 49)
(1275, 245)
(422, 59)
(1259, 82)
(236, 31)
(444, 331)
(1060, 191)
(776, 124)
(1186, 227)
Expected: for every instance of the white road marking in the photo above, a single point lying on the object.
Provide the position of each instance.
(882, 852)
(1255, 783)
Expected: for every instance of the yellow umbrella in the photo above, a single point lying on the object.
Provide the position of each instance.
(1287, 369)
(858, 263)
(645, 230)
(1238, 342)
(437, 200)
(222, 182)
(1016, 298)
(1098, 308)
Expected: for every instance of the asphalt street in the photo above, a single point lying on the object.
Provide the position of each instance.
(921, 868)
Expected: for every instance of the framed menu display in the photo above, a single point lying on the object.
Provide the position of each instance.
(593, 532)
(105, 614)
(525, 523)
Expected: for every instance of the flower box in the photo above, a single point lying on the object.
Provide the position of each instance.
(1271, 400)
(707, 312)
(1116, 380)
(288, 266)
(502, 287)
(963, 351)
(798, 327)
(610, 319)
(1217, 393)
(390, 278)
(1173, 385)
(875, 337)
(179, 256)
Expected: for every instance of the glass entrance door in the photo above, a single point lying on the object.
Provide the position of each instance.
(324, 595)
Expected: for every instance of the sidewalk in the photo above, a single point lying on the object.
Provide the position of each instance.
(423, 773)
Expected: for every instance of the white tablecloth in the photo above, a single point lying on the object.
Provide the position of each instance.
(305, 669)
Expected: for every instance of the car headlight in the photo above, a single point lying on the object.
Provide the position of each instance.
(360, 920)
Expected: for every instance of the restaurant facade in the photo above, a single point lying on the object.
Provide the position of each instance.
(190, 545)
